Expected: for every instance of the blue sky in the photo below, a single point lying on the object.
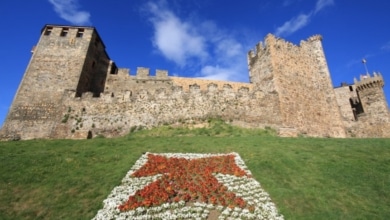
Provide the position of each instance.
(201, 38)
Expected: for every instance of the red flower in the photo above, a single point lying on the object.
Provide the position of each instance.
(187, 180)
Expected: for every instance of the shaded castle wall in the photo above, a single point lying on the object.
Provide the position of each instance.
(95, 69)
(300, 77)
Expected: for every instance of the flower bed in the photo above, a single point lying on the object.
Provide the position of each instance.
(188, 186)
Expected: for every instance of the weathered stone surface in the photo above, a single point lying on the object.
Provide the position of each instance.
(71, 89)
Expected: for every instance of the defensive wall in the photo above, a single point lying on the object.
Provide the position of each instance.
(72, 89)
(299, 76)
(369, 116)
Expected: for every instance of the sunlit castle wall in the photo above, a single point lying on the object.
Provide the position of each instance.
(298, 76)
(374, 121)
(56, 64)
(141, 100)
(72, 89)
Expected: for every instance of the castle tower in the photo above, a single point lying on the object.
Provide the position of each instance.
(298, 76)
(66, 58)
(371, 95)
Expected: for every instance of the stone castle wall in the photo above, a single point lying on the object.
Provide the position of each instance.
(150, 102)
(71, 89)
(300, 77)
(55, 64)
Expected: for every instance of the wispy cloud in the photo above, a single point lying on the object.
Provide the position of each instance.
(300, 21)
(353, 63)
(208, 50)
(386, 46)
(293, 25)
(69, 11)
(287, 2)
(321, 4)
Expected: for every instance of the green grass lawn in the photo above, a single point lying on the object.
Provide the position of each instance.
(307, 178)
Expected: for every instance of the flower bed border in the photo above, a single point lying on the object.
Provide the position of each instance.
(245, 187)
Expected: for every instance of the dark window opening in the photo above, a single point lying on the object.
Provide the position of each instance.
(97, 41)
(93, 64)
(350, 88)
(114, 69)
(356, 106)
(48, 31)
(80, 32)
(64, 32)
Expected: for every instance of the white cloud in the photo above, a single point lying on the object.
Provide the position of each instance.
(69, 11)
(228, 48)
(321, 4)
(216, 72)
(201, 46)
(293, 25)
(176, 40)
(300, 21)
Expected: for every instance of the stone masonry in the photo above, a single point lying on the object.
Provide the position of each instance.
(72, 89)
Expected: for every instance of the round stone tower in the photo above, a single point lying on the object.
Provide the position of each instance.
(371, 95)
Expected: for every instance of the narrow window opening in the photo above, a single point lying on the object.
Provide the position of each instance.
(93, 64)
(356, 106)
(350, 88)
(97, 41)
(64, 32)
(48, 31)
(114, 69)
(80, 32)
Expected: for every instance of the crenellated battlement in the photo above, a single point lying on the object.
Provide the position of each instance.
(144, 74)
(368, 81)
(316, 37)
(272, 42)
(210, 85)
(200, 87)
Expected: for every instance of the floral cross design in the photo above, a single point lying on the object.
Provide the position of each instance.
(188, 186)
(186, 179)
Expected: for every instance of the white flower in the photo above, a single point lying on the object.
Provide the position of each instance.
(245, 187)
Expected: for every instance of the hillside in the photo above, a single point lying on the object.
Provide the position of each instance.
(307, 178)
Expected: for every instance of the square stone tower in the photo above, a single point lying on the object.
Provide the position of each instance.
(66, 58)
(298, 76)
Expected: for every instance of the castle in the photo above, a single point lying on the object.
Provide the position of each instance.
(72, 89)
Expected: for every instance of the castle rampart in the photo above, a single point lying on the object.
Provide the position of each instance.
(72, 89)
(299, 77)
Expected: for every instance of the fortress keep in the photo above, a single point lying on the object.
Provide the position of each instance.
(72, 89)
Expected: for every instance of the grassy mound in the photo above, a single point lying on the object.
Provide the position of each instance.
(307, 178)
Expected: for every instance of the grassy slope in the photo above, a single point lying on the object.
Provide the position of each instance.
(307, 178)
